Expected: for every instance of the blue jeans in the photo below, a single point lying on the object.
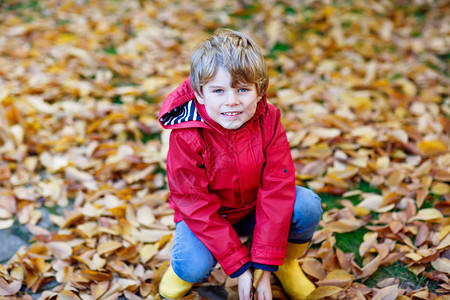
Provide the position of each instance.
(193, 262)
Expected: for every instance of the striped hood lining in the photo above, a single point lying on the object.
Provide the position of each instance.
(183, 113)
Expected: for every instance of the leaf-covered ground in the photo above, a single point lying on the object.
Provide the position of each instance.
(364, 91)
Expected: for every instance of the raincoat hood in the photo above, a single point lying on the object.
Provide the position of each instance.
(181, 109)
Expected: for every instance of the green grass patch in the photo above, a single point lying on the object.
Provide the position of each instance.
(19, 5)
(407, 278)
(397, 270)
(110, 49)
(330, 201)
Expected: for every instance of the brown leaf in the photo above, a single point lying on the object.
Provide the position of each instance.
(442, 265)
(67, 295)
(389, 292)
(344, 260)
(323, 291)
(338, 278)
(422, 234)
(9, 289)
(99, 288)
(94, 275)
(60, 250)
(314, 268)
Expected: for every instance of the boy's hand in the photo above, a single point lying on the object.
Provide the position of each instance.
(263, 289)
(245, 285)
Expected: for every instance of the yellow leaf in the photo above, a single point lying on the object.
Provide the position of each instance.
(99, 288)
(383, 162)
(335, 181)
(442, 265)
(147, 252)
(108, 247)
(89, 229)
(72, 219)
(360, 211)
(407, 86)
(97, 262)
(440, 188)
(391, 198)
(359, 101)
(257, 274)
(323, 291)
(60, 250)
(320, 151)
(18, 273)
(344, 225)
(118, 211)
(396, 178)
(338, 278)
(444, 232)
(413, 256)
(66, 38)
(432, 147)
(444, 243)
(370, 240)
(127, 283)
(429, 214)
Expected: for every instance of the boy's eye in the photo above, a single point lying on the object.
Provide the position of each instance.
(218, 91)
(243, 90)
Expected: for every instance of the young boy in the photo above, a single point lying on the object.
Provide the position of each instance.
(231, 174)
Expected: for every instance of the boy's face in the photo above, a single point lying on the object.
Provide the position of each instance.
(230, 107)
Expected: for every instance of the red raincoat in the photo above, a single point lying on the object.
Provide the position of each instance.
(218, 176)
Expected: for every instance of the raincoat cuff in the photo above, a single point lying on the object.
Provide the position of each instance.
(270, 268)
(241, 270)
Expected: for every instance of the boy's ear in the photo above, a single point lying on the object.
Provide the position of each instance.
(199, 98)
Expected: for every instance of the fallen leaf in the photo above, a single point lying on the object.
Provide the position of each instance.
(387, 293)
(313, 268)
(145, 216)
(60, 250)
(432, 147)
(67, 295)
(323, 291)
(99, 288)
(147, 252)
(338, 278)
(108, 247)
(4, 224)
(428, 214)
(9, 289)
(94, 275)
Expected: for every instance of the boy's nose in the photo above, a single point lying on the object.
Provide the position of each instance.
(232, 99)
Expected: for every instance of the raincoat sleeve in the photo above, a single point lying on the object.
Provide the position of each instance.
(190, 197)
(276, 194)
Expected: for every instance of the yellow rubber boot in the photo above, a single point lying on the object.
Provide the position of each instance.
(295, 283)
(172, 287)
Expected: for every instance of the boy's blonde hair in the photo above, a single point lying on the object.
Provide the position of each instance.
(236, 53)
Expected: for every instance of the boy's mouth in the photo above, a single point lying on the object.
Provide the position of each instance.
(231, 114)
